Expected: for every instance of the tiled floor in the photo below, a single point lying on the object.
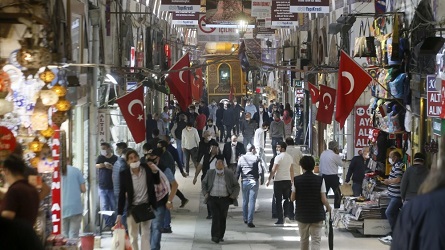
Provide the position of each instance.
(192, 231)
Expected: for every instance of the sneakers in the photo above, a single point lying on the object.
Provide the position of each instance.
(184, 202)
(287, 220)
(251, 225)
(279, 223)
(386, 240)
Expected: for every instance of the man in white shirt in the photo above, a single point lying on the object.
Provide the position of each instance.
(165, 117)
(329, 163)
(189, 143)
(258, 142)
(283, 172)
(296, 154)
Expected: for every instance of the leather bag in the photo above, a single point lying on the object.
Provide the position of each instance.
(364, 45)
(142, 212)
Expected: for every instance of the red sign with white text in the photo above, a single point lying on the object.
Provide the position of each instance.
(56, 207)
(363, 124)
(442, 114)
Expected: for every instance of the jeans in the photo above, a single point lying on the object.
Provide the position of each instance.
(108, 203)
(179, 149)
(357, 189)
(250, 192)
(71, 226)
(133, 232)
(219, 208)
(167, 219)
(156, 227)
(298, 139)
(282, 190)
(193, 154)
(332, 181)
(262, 156)
(246, 141)
(275, 140)
(314, 231)
(392, 211)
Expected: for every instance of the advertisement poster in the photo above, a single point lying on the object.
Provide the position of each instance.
(434, 101)
(181, 5)
(227, 12)
(209, 34)
(309, 6)
(183, 19)
(281, 16)
(363, 124)
(261, 8)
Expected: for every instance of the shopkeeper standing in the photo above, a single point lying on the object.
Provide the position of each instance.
(104, 164)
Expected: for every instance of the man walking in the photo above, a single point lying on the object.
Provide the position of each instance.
(276, 132)
(251, 172)
(296, 154)
(248, 127)
(258, 142)
(229, 121)
(329, 163)
(220, 189)
(357, 169)
(283, 172)
(190, 142)
(413, 178)
(232, 151)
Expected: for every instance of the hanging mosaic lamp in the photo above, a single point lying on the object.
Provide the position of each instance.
(48, 96)
(47, 133)
(34, 162)
(32, 56)
(47, 76)
(39, 117)
(35, 146)
(6, 106)
(59, 90)
(63, 104)
(59, 117)
(5, 84)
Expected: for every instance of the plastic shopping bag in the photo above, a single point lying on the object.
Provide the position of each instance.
(118, 242)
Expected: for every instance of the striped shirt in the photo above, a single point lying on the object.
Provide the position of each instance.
(396, 172)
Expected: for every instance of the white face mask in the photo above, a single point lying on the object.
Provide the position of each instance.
(219, 171)
(214, 103)
(103, 152)
(134, 165)
(235, 103)
(278, 152)
(248, 103)
(261, 109)
(390, 161)
(189, 129)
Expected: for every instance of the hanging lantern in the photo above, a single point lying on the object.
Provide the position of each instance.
(6, 106)
(32, 56)
(47, 76)
(48, 96)
(59, 117)
(47, 133)
(39, 117)
(35, 146)
(34, 162)
(59, 90)
(63, 104)
(5, 84)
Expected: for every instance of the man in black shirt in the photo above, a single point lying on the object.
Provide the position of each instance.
(357, 169)
(104, 164)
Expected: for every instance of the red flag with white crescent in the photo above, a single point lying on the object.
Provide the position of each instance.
(196, 84)
(179, 82)
(326, 102)
(132, 108)
(313, 90)
(352, 81)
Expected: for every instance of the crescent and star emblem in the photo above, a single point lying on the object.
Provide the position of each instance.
(313, 91)
(130, 106)
(180, 75)
(330, 100)
(351, 80)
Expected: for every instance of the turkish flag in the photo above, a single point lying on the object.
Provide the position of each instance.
(132, 108)
(314, 93)
(179, 82)
(196, 81)
(352, 81)
(326, 104)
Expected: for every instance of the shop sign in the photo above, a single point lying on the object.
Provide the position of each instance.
(299, 93)
(212, 34)
(363, 126)
(103, 125)
(281, 16)
(180, 5)
(442, 95)
(185, 18)
(437, 126)
(7, 139)
(434, 101)
(261, 8)
(56, 206)
(309, 6)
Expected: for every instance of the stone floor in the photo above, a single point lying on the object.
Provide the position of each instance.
(191, 230)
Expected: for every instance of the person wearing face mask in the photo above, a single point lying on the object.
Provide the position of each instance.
(229, 121)
(104, 163)
(237, 113)
(212, 129)
(393, 183)
(248, 127)
(357, 169)
(270, 108)
(250, 108)
(137, 189)
(212, 110)
(204, 108)
(190, 142)
(232, 151)
(118, 166)
(191, 115)
(259, 141)
(330, 161)
(204, 145)
(200, 122)
(276, 131)
(261, 116)
(220, 189)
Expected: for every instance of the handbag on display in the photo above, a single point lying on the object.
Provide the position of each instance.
(142, 212)
(346, 189)
(364, 45)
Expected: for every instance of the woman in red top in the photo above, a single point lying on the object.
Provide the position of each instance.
(200, 122)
